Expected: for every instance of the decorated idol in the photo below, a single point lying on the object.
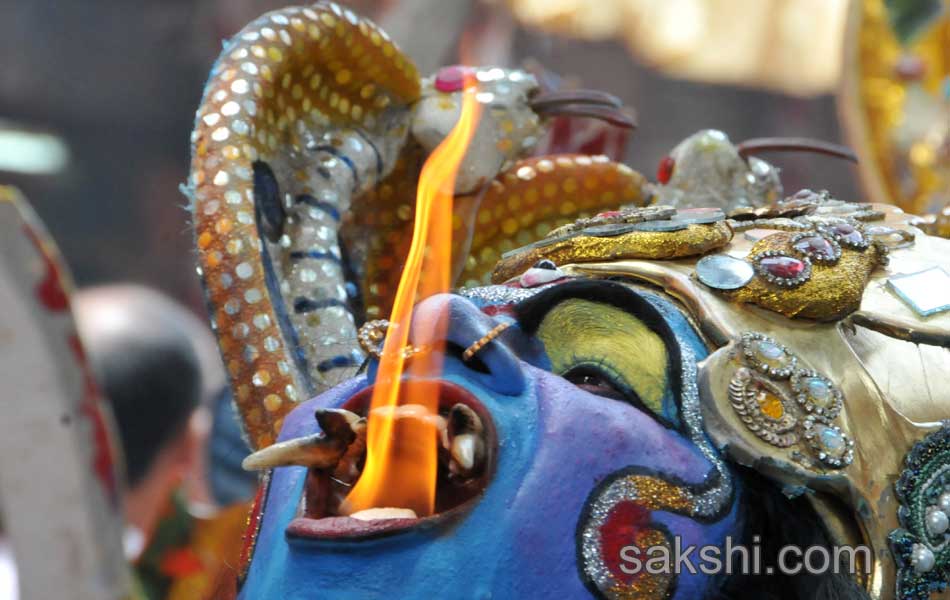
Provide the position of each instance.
(625, 368)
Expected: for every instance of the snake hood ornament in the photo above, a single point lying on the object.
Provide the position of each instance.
(306, 149)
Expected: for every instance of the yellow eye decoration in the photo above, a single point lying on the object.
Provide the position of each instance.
(607, 350)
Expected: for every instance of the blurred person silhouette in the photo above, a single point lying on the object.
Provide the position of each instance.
(151, 358)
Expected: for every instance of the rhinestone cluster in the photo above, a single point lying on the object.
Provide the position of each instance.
(762, 392)
(821, 225)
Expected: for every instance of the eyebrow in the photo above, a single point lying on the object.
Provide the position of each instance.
(531, 312)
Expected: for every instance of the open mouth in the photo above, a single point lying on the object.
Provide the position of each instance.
(467, 444)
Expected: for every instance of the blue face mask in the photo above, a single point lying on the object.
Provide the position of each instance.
(575, 481)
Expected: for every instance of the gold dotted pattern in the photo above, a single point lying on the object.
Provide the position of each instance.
(831, 292)
(520, 206)
(539, 194)
(381, 220)
(309, 66)
(651, 245)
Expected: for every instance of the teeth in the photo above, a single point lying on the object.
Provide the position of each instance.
(411, 411)
(464, 449)
(375, 514)
(466, 445)
(319, 451)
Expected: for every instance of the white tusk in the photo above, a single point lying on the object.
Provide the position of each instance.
(319, 451)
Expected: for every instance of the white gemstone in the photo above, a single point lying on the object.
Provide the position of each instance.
(724, 272)
(944, 502)
(937, 522)
(922, 558)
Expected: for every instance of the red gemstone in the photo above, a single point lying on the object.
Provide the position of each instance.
(784, 267)
(665, 170)
(451, 79)
(815, 245)
(848, 233)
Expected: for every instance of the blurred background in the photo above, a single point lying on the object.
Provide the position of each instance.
(97, 98)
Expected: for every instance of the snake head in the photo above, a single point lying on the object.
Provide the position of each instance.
(512, 121)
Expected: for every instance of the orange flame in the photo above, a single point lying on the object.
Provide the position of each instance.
(402, 453)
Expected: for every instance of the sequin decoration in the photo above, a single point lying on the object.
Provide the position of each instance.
(279, 83)
(537, 195)
(921, 546)
(515, 208)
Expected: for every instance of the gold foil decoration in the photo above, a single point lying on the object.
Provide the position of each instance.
(832, 291)
(656, 245)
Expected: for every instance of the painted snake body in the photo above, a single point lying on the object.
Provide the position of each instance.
(314, 125)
